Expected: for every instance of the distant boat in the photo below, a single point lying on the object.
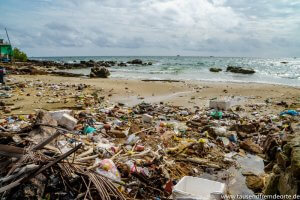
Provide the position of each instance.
(178, 55)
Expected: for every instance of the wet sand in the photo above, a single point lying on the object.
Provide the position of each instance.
(190, 94)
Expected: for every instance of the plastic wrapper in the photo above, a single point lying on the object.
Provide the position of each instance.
(108, 168)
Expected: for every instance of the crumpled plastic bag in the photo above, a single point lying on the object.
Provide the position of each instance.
(108, 168)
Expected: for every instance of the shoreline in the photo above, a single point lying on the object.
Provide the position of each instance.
(213, 81)
(189, 94)
(77, 71)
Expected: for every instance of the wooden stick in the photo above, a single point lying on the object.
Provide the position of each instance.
(11, 151)
(86, 158)
(199, 161)
(85, 153)
(25, 169)
(46, 141)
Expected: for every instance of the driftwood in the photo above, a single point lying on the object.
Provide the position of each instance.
(88, 152)
(203, 162)
(36, 147)
(11, 151)
(46, 141)
(23, 170)
(86, 158)
(40, 170)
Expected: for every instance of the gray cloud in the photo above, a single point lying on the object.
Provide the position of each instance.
(209, 27)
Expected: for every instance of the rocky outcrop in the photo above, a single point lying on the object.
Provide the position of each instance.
(239, 70)
(99, 72)
(215, 69)
(27, 70)
(135, 62)
(106, 63)
(121, 64)
(138, 62)
(285, 176)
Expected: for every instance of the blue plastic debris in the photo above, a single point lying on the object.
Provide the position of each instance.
(289, 112)
(88, 130)
(233, 138)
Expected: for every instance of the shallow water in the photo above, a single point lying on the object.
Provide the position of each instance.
(268, 70)
(236, 182)
(135, 100)
(250, 163)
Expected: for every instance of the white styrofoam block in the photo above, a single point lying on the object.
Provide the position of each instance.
(147, 118)
(220, 104)
(68, 121)
(198, 188)
(57, 115)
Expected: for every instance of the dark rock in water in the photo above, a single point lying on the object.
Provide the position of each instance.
(90, 64)
(112, 63)
(149, 63)
(284, 62)
(121, 64)
(239, 70)
(99, 72)
(135, 62)
(214, 69)
(104, 63)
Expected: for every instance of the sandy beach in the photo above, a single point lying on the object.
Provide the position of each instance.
(190, 94)
(155, 100)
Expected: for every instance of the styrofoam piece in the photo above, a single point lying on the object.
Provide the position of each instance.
(147, 118)
(221, 104)
(195, 188)
(57, 115)
(68, 121)
(225, 103)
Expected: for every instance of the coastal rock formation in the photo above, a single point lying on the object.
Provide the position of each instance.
(139, 62)
(99, 72)
(106, 63)
(215, 69)
(89, 63)
(121, 64)
(32, 70)
(239, 70)
(135, 62)
(285, 175)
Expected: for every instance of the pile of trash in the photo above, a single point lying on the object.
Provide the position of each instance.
(119, 152)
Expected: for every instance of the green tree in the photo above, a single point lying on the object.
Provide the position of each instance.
(19, 55)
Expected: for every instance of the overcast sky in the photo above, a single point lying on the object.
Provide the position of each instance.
(264, 28)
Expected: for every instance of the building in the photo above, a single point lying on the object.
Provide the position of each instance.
(6, 51)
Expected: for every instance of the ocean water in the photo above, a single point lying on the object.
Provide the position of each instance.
(268, 70)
